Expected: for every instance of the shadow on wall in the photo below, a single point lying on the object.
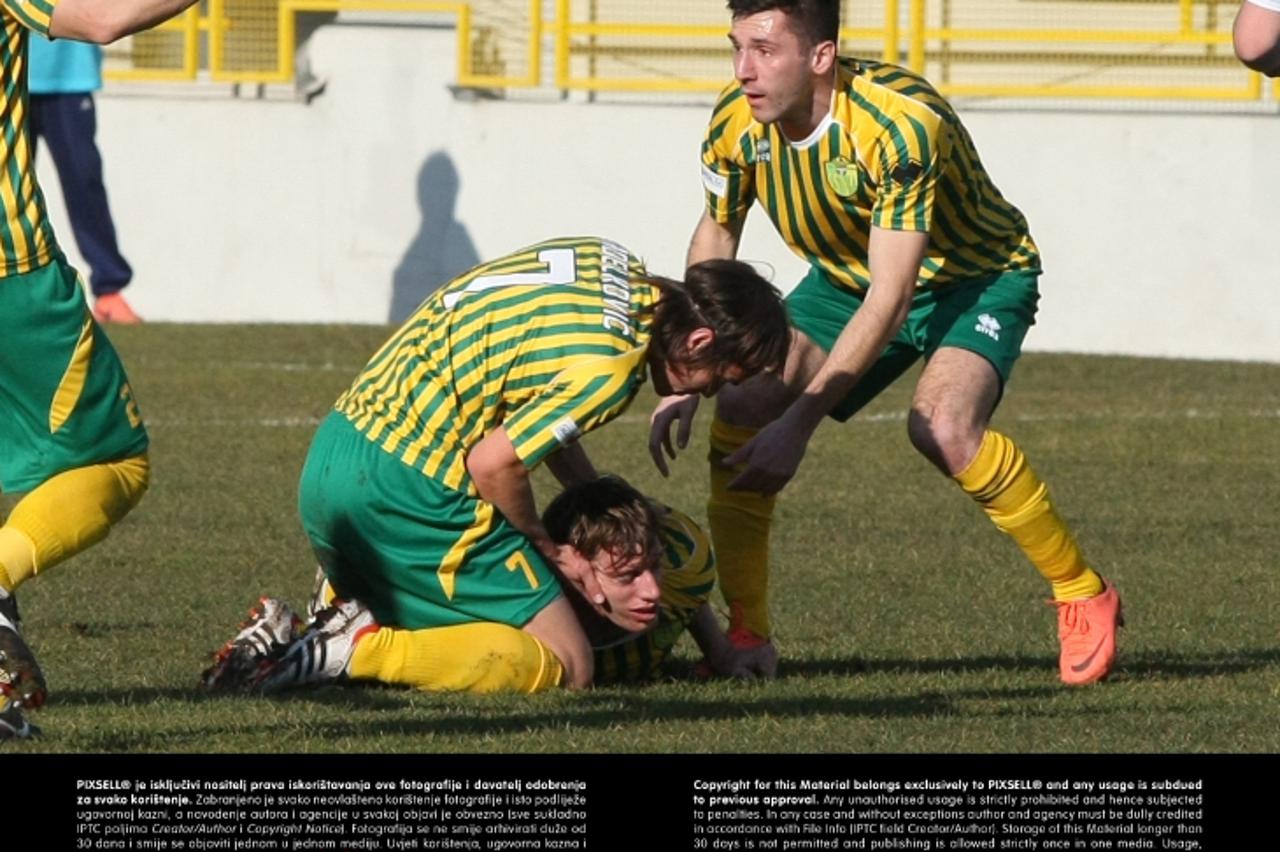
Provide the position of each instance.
(442, 250)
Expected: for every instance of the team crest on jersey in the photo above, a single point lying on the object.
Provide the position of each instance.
(842, 175)
(759, 152)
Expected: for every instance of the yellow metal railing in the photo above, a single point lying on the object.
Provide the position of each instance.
(270, 32)
(147, 58)
(1107, 54)
(1170, 49)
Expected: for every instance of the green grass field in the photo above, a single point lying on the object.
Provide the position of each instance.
(907, 624)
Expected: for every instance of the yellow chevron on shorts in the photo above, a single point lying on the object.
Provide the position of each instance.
(453, 559)
(69, 389)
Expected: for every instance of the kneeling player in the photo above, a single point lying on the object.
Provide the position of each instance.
(415, 493)
(654, 566)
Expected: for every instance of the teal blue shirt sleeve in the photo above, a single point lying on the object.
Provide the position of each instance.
(63, 67)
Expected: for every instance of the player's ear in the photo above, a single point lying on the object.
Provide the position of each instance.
(699, 343)
(824, 58)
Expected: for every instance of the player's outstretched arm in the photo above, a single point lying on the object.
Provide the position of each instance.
(773, 456)
(713, 240)
(102, 22)
(571, 465)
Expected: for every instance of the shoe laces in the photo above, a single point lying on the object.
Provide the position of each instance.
(1073, 617)
(334, 617)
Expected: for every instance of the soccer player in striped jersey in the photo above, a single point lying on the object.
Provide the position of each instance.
(415, 494)
(71, 437)
(654, 566)
(867, 173)
(1256, 35)
(656, 570)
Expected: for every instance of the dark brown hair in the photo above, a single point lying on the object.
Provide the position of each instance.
(814, 20)
(733, 300)
(604, 514)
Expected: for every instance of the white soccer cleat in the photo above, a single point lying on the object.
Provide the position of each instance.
(21, 681)
(264, 637)
(13, 725)
(323, 653)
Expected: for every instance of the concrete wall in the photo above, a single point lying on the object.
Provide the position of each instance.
(1158, 230)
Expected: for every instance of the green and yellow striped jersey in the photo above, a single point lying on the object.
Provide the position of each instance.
(891, 153)
(548, 343)
(26, 237)
(688, 576)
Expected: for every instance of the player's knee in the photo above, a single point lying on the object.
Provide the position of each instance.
(1261, 58)
(558, 630)
(576, 661)
(946, 439)
(133, 477)
(1256, 45)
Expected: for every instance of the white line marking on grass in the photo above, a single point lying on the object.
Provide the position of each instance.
(881, 417)
(1076, 416)
(293, 367)
(1186, 414)
(261, 422)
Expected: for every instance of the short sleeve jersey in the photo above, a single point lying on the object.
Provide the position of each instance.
(688, 575)
(548, 343)
(891, 154)
(26, 237)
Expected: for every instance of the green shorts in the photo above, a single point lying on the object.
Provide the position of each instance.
(416, 553)
(65, 401)
(988, 316)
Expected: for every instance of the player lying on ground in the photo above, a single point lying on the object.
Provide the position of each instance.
(415, 493)
(654, 566)
(867, 172)
(71, 438)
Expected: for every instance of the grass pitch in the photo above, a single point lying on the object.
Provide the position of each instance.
(907, 624)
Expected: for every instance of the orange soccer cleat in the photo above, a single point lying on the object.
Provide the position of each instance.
(1087, 634)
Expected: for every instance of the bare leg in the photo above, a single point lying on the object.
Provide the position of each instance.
(558, 628)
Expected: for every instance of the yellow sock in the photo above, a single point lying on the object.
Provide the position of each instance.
(66, 514)
(479, 657)
(1003, 483)
(739, 522)
(17, 554)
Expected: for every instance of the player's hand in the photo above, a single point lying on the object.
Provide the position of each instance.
(678, 409)
(578, 571)
(771, 458)
(760, 662)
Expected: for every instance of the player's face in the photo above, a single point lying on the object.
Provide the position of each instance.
(775, 67)
(700, 378)
(690, 372)
(630, 586)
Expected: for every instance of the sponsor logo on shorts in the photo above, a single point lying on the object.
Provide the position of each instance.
(988, 325)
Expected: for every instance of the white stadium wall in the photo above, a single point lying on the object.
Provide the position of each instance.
(1159, 230)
